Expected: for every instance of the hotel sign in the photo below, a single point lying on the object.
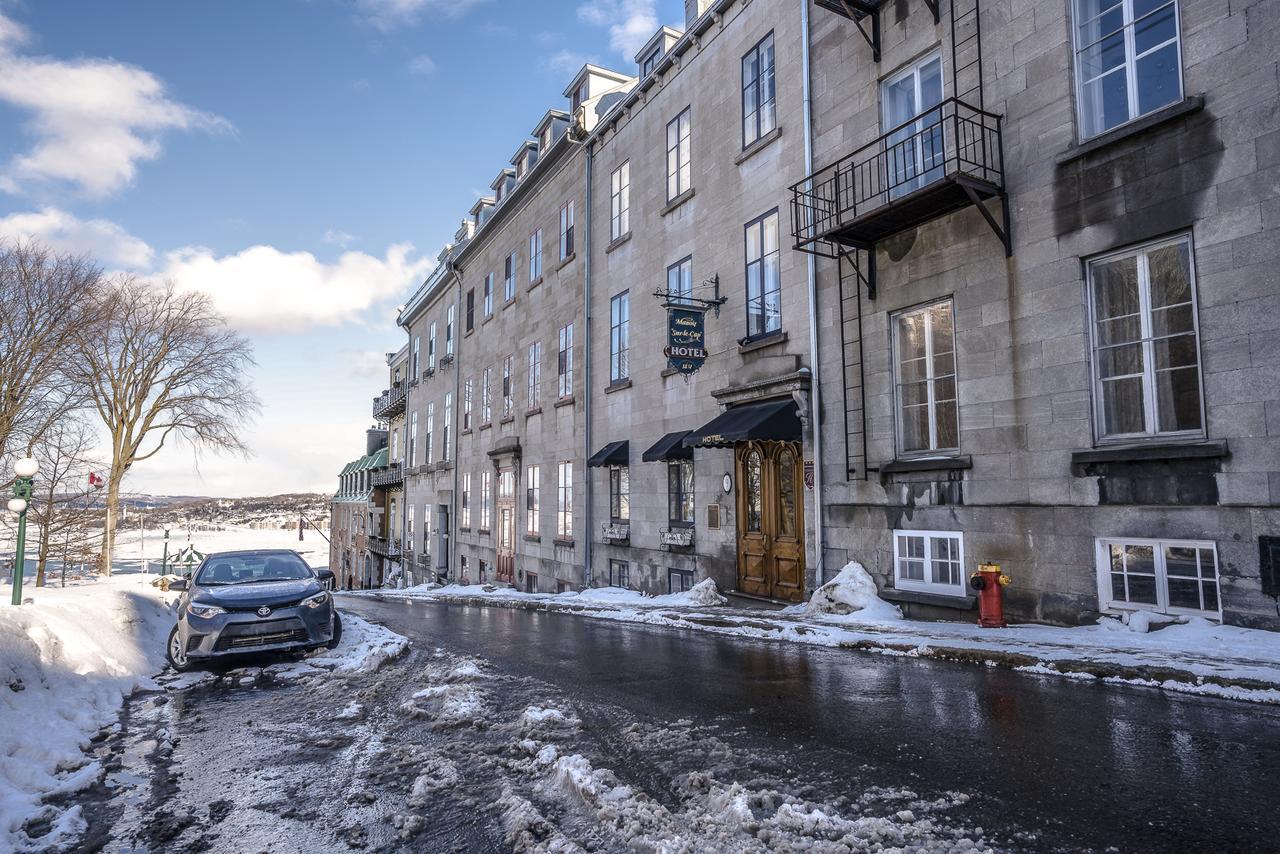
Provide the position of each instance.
(686, 349)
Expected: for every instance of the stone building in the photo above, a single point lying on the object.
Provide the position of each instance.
(389, 409)
(1032, 245)
(1049, 327)
(357, 516)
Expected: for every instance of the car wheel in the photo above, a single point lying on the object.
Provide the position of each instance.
(337, 632)
(176, 652)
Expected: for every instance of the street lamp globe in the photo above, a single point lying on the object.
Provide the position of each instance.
(17, 505)
(26, 467)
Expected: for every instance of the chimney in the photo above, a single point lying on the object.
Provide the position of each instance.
(375, 440)
(693, 10)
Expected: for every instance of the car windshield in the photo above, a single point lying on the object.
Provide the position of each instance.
(251, 567)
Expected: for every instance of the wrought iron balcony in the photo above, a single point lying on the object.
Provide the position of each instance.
(392, 475)
(389, 548)
(938, 162)
(391, 402)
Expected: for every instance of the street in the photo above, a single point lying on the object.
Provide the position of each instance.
(507, 729)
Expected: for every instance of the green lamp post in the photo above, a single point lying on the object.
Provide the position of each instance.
(24, 472)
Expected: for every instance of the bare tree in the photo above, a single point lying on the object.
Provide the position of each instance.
(44, 302)
(60, 505)
(164, 366)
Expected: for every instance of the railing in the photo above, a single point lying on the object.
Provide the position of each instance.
(951, 140)
(385, 547)
(389, 476)
(390, 402)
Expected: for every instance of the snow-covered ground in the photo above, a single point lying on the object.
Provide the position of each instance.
(1197, 656)
(70, 657)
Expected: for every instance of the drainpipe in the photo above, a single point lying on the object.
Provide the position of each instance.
(815, 396)
(586, 364)
(457, 418)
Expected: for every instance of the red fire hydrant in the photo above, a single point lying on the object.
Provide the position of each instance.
(989, 581)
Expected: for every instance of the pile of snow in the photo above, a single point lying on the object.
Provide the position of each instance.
(67, 662)
(364, 648)
(853, 591)
(703, 594)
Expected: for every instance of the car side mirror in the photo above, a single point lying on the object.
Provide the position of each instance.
(180, 584)
(326, 576)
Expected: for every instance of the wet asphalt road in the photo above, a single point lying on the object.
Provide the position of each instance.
(1046, 763)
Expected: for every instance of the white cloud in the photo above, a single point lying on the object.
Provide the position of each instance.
(93, 120)
(567, 62)
(368, 364)
(389, 15)
(630, 22)
(423, 65)
(336, 237)
(264, 289)
(106, 242)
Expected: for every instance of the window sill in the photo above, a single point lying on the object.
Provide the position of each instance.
(760, 342)
(563, 542)
(566, 261)
(506, 305)
(534, 283)
(1185, 107)
(482, 532)
(668, 372)
(533, 538)
(617, 385)
(963, 602)
(677, 202)
(564, 401)
(617, 241)
(486, 319)
(485, 426)
(1153, 452)
(465, 431)
(469, 332)
(529, 413)
(759, 145)
(464, 529)
(929, 464)
(507, 420)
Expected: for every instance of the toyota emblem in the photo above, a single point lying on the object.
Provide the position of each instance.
(264, 611)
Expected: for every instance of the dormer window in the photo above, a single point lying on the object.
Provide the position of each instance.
(520, 165)
(650, 62)
(497, 192)
(580, 95)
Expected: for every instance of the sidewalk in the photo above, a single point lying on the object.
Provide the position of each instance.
(1196, 657)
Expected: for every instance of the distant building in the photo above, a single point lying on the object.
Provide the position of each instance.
(357, 514)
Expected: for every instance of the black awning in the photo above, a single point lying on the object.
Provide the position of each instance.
(612, 454)
(775, 419)
(669, 447)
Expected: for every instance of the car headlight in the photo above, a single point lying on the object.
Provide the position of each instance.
(316, 601)
(205, 611)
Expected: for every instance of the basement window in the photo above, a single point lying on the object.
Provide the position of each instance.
(1169, 576)
(929, 561)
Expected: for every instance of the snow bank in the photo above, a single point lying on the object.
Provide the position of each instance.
(364, 648)
(69, 661)
(852, 592)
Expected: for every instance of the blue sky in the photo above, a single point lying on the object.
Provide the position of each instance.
(303, 161)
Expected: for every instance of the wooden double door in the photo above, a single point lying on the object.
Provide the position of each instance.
(506, 507)
(770, 499)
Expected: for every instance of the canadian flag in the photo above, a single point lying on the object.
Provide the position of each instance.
(96, 480)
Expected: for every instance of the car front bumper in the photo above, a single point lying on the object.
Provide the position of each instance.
(241, 632)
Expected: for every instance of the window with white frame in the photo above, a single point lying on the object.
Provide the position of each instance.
(925, 380)
(533, 499)
(408, 529)
(679, 580)
(417, 352)
(929, 561)
(486, 499)
(467, 395)
(620, 337)
(620, 201)
(431, 425)
(1171, 576)
(1146, 351)
(488, 294)
(564, 363)
(1128, 60)
(619, 573)
(764, 278)
(448, 331)
(486, 396)
(395, 445)
(508, 388)
(680, 492)
(564, 501)
(679, 176)
(680, 279)
(566, 230)
(446, 427)
(619, 493)
(535, 374)
(465, 502)
(509, 278)
(413, 439)
(759, 105)
(431, 346)
(535, 256)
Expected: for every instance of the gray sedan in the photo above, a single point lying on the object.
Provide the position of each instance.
(251, 601)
